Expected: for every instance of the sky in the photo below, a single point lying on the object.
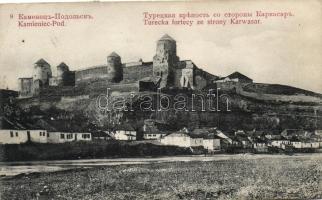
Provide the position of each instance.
(282, 51)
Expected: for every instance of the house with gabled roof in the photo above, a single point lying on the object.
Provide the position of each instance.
(260, 143)
(14, 132)
(278, 141)
(151, 130)
(124, 132)
(300, 133)
(209, 138)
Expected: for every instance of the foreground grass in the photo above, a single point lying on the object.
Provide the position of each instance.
(242, 178)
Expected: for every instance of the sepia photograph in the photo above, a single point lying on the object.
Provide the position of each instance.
(161, 100)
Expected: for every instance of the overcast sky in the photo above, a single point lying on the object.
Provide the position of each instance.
(283, 51)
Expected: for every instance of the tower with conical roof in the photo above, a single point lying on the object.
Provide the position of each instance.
(41, 75)
(165, 60)
(114, 67)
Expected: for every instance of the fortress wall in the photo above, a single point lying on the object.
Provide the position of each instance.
(202, 78)
(135, 73)
(183, 77)
(229, 85)
(92, 74)
(25, 87)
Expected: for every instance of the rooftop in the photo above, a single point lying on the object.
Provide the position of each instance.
(113, 54)
(41, 62)
(166, 37)
(238, 75)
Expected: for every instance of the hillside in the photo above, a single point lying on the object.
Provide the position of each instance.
(245, 111)
(278, 89)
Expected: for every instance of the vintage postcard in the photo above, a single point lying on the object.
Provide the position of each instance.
(161, 100)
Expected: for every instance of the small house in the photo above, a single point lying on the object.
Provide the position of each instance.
(244, 141)
(124, 132)
(208, 138)
(60, 137)
(299, 133)
(279, 141)
(101, 135)
(212, 143)
(16, 133)
(179, 138)
(153, 130)
(260, 144)
(83, 136)
(10, 136)
(153, 136)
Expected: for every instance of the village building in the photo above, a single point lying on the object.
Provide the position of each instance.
(304, 143)
(13, 136)
(278, 141)
(60, 137)
(181, 139)
(16, 133)
(83, 136)
(240, 140)
(38, 136)
(224, 137)
(17, 136)
(244, 140)
(101, 135)
(151, 130)
(154, 136)
(63, 137)
(260, 144)
(124, 132)
(299, 133)
(212, 143)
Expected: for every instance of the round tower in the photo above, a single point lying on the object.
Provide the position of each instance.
(165, 60)
(42, 72)
(62, 71)
(114, 67)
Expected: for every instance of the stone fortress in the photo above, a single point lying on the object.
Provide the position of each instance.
(165, 71)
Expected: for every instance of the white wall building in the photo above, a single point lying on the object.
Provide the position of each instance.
(38, 136)
(62, 137)
(182, 140)
(83, 136)
(211, 144)
(125, 135)
(153, 136)
(13, 136)
(177, 139)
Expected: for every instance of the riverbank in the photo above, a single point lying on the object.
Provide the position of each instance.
(88, 150)
(117, 149)
(236, 177)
